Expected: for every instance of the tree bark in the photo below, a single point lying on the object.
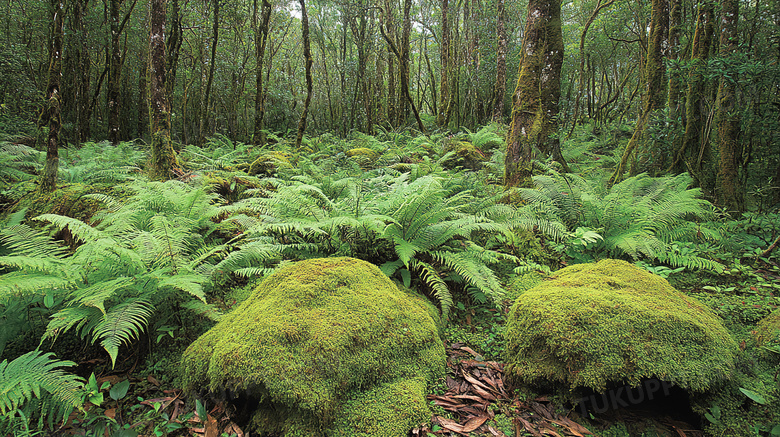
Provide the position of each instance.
(204, 114)
(309, 82)
(115, 68)
(445, 94)
(535, 100)
(82, 94)
(163, 161)
(499, 88)
(694, 150)
(261, 39)
(640, 149)
(51, 115)
(728, 189)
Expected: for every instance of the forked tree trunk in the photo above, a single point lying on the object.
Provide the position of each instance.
(51, 115)
(535, 100)
(640, 152)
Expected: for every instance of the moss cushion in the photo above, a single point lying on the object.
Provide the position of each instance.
(315, 340)
(612, 323)
(768, 330)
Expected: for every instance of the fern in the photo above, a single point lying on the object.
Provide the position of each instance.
(123, 323)
(37, 375)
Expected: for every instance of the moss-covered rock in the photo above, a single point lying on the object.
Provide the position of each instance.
(612, 323)
(268, 163)
(464, 155)
(315, 340)
(768, 329)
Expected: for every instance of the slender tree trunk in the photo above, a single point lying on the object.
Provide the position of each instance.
(499, 88)
(728, 186)
(535, 100)
(675, 25)
(82, 94)
(173, 46)
(403, 60)
(309, 82)
(142, 127)
(204, 115)
(261, 38)
(114, 73)
(163, 161)
(445, 94)
(694, 150)
(640, 152)
(51, 115)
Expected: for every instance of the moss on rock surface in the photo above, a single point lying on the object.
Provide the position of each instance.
(324, 347)
(768, 329)
(612, 323)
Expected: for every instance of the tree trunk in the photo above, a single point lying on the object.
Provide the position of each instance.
(114, 72)
(203, 119)
(82, 94)
(694, 150)
(640, 149)
(261, 38)
(51, 114)
(675, 25)
(163, 161)
(728, 185)
(172, 47)
(142, 127)
(499, 88)
(445, 95)
(309, 82)
(535, 100)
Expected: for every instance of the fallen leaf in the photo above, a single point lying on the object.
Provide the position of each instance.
(152, 380)
(450, 424)
(212, 430)
(111, 413)
(528, 427)
(474, 423)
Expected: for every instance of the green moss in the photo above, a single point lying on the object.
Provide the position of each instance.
(611, 323)
(464, 155)
(312, 336)
(768, 330)
(268, 163)
(70, 200)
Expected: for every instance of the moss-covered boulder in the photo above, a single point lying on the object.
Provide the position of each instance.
(612, 323)
(324, 347)
(768, 330)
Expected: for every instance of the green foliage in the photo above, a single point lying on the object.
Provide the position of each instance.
(640, 218)
(610, 323)
(325, 333)
(141, 259)
(35, 386)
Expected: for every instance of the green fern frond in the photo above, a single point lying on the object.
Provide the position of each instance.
(22, 284)
(25, 241)
(81, 231)
(96, 295)
(469, 265)
(32, 375)
(190, 284)
(121, 324)
(83, 319)
(432, 279)
(203, 309)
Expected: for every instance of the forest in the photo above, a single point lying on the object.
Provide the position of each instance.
(386, 218)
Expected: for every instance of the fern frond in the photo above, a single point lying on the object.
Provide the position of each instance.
(23, 240)
(22, 284)
(432, 279)
(81, 231)
(191, 284)
(121, 324)
(203, 309)
(34, 373)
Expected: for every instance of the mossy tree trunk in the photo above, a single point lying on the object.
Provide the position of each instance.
(163, 160)
(309, 82)
(261, 39)
(115, 67)
(499, 88)
(693, 153)
(82, 93)
(51, 115)
(729, 191)
(142, 125)
(538, 91)
(173, 44)
(444, 112)
(640, 152)
(203, 120)
(675, 31)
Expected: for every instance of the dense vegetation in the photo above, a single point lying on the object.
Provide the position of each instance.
(158, 159)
